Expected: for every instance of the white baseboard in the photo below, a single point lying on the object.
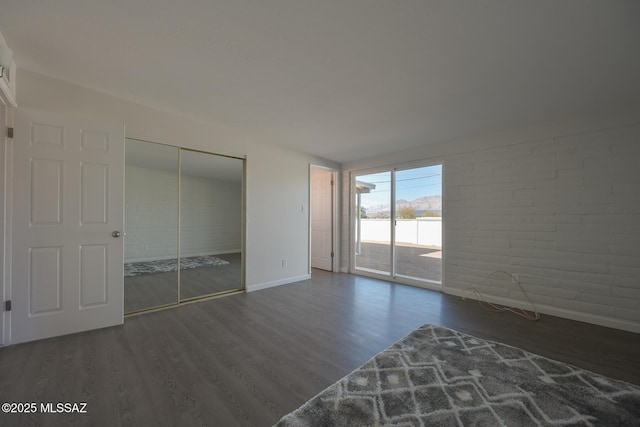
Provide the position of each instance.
(608, 322)
(286, 281)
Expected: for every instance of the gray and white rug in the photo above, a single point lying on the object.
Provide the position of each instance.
(166, 265)
(439, 377)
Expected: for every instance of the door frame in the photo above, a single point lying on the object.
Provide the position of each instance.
(352, 220)
(6, 207)
(335, 247)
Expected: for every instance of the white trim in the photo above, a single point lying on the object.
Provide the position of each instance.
(8, 87)
(606, 321)
(8, 82)
(6, 209)
(286, 281)
(335, 209)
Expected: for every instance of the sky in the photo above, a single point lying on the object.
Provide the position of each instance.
(411, 184)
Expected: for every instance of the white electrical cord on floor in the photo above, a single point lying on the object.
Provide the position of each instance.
(530, 315)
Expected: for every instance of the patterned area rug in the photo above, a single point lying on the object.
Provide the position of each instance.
(166, 265)
(439, 377)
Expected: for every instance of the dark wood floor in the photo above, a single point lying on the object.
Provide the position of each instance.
(248, 359)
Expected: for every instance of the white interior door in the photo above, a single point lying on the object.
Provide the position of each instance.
(321, 219)
(68, 200)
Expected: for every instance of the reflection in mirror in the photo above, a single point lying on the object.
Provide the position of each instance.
(151, 226)
(210, 224)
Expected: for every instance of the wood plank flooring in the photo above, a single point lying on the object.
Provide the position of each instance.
(248, 359)
(154, 290)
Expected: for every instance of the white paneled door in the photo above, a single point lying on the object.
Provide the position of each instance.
(68, 214)
(321, 219)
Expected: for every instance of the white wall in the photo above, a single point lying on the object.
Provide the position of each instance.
(277, 186)
(419, 231)
(277, 215)
(557, 203)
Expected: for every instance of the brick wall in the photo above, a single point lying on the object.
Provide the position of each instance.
(151, 214)
(563, 213)
(558, 204)
(211, 215)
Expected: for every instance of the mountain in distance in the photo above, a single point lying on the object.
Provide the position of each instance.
(421, 205)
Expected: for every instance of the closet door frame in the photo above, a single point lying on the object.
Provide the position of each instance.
(242, 287)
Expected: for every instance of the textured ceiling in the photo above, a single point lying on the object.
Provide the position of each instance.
(342, 79)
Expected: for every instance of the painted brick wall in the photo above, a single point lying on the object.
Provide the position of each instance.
(563, 213)
(211, 215)
(151, 214)
(558, 204)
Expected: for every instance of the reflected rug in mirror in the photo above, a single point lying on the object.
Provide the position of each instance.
(166, 265)
(439, 377)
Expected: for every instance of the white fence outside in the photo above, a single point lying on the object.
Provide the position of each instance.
(419, 231)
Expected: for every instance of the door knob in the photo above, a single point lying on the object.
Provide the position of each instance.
(116, 234)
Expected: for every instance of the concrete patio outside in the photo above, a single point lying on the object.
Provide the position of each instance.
(415, 261)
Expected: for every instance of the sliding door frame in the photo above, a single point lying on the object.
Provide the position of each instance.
(353, 215)
(243, 257)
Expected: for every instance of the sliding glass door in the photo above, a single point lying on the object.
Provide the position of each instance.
(418, 224)
(398, 224)
(373, 227)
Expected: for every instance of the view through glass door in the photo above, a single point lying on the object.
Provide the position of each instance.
(398, 227)
(373, 225)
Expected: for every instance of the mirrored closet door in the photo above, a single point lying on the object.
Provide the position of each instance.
(151, 225)
(183, 225)
(210, 224)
